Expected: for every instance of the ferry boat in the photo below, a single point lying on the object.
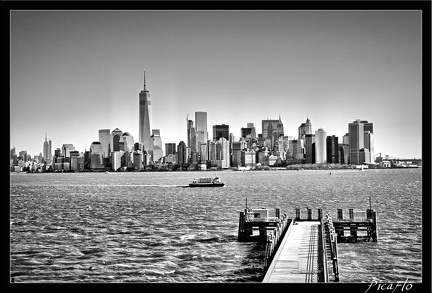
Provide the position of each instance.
(206, 182)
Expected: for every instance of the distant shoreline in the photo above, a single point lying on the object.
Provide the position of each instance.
(350, 168)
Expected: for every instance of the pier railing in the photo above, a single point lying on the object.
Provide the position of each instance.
(273, 240)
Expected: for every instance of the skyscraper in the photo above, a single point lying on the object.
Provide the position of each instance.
(332, 149)
(104, 139)
(320, 146)
(220, 131)
(170, 148)
(128, 141)
(190, 135)
(145, 117)
(356, 141)
(115, 140)
(272, 129)
(47, 150)
(201, 127)
(66, 149)
(156, 145)
(96, 152)
(304, 128)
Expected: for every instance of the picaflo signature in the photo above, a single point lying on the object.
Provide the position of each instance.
(390, 286)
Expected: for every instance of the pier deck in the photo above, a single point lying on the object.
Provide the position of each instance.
(300, 257)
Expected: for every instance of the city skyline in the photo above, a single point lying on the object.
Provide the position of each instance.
(84, 70)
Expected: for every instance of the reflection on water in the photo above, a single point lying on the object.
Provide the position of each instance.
(149, 227)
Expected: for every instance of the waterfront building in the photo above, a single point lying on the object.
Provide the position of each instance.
(248, 158)
(201, 128)
(145, 116)
(77, 163)
(294, 150)
(369, 143)
(181, 153)
(156, 145)
(115, 140)
(356, 141)
(96, 155)
(272, 129)
(364, 156)
(203, 153)
(47, 150)
(170, 148)
(221, 131)
(117, 160)
(105, 139)
(222, 153)
(320, 146)
(138, 160)
(237, 148)
(332, 150)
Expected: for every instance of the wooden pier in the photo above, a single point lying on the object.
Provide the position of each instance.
(304, 250)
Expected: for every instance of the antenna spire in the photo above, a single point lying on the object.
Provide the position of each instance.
(144, 82)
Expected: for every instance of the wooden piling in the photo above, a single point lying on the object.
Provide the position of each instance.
(309, 214)
(277, 213)
(319, 214)
(298, 214)
(340, 214)
(351, 214)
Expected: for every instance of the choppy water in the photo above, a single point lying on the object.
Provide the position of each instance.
(147, 227)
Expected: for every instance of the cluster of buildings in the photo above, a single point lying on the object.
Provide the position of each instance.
(117, 150)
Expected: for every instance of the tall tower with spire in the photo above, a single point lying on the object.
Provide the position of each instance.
(47, 150)
(145, 117)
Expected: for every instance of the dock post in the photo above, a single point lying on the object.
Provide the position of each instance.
(353, 232)
(351, 214)
(241, 229)
(374, 232)
(278, 213)
(340, 214)
(319, 214)
(369, 214)
(298, 214)
(309, 214)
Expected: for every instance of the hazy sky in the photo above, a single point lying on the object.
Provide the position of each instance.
(75, 72)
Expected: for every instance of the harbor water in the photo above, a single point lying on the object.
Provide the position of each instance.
(151, 227)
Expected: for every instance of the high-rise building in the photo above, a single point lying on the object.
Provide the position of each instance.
(248, 132)
(47, 150)
(320, 146)
(115, 140)
(272, 129)
(145, 116)
(181, 153)
(128, 141)
(96, 153)
(190, 132)
(304, 128)
(66, 149)
(309, 148)
(369, 143)
(201, 127)
(170, 148)
(156, 145)
(356, 141)
(221, 131)
(332, 150)
(222, 153)
(105, 139)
